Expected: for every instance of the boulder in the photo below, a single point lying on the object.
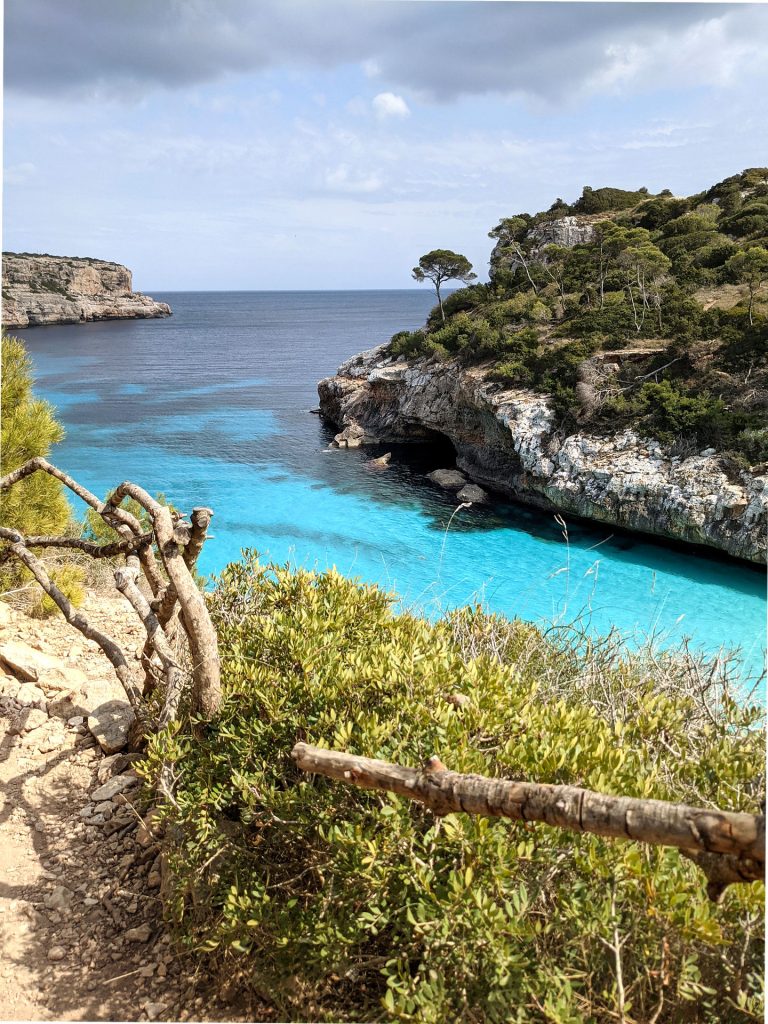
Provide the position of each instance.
(30, 696)
(382, 462)
(110, 723)
(448, 479)
(23, 661)
(473, 493)
(350, 437)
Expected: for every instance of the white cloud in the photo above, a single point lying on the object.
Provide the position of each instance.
(340, 179)
(387, 104)
(18, 174)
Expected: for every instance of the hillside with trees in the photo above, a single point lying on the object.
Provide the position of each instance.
(627, 309)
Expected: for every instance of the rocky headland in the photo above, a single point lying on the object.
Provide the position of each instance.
(42, 289)
(507, 440)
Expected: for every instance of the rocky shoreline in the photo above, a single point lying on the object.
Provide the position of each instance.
(42, 289)
(506, 440)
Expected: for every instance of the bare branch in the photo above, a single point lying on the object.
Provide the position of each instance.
(115, 655)
(708, 834)
(197, 622)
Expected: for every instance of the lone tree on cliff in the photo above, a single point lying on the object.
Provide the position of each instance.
(443, 265)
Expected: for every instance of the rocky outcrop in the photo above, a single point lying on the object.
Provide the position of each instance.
(42, 289)
(565, 231)
(506, 440)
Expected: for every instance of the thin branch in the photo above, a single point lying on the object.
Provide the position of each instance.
(18, 549)
(708, 834)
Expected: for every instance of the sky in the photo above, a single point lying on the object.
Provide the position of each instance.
(315, 144)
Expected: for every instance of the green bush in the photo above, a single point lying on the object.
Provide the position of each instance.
(36, 505)
(344, 904)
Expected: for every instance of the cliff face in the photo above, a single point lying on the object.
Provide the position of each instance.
(62, 290)
(505, 439)
(565, 231)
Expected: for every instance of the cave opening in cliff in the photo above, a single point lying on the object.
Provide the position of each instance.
(431, 451)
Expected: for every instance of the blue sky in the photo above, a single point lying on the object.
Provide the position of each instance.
(328, 144)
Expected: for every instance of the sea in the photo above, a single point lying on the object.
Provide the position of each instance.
(213, 406)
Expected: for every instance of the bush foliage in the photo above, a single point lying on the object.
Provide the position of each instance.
(638, 282)
(342, 904)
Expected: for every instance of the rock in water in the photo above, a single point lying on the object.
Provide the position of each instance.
(448, 479)
(110, 723)
(381, 463)
(472, 493)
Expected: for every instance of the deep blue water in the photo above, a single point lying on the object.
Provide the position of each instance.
(211, 406)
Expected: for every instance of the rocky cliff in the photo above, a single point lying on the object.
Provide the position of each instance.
(507, 441)
(42, 289)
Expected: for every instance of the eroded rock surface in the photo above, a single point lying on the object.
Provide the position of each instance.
(42, 289)
(506, 440)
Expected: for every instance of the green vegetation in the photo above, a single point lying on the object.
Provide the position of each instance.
(443, 265)
(36, 505)
(671, 288)
(343, 904)
(29, 428)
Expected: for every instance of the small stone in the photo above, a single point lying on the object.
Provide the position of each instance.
(31, 696)
(56, 953)
(90, 901)
(115, 765)
(28, 720)
(59, 899)
(147, 972)
(139, 934)
(110, 723)
(113, 787)
(154, 1010)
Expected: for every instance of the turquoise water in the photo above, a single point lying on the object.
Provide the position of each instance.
(212, 407)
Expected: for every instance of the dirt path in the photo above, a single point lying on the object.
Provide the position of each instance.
(81, 929)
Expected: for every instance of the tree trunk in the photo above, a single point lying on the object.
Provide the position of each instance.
(729, 846)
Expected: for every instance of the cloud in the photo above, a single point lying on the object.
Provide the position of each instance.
(340, 179)
(387, 104)
(19, 174)
(441, 50)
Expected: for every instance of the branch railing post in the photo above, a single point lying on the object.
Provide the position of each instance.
(728, 846)
(178, 546)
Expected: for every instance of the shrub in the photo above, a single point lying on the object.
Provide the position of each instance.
(29, 428)
(351, 905)
(69, 579)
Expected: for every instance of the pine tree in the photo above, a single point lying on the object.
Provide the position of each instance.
(29, 428)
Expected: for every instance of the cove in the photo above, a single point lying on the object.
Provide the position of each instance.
(212, 406)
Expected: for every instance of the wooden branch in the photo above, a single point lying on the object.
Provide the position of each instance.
(728, 846)
(116, 518)
(115, 655)
(197, 622)
(126, 582)
(118, 547)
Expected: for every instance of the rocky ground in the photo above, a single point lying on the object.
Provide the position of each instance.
(81, 923)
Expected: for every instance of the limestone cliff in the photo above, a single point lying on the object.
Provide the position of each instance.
(42, 289)
(506, 440)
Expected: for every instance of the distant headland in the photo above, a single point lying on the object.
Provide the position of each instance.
(42, 289)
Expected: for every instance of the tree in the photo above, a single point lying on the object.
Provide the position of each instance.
(29, 429)
(750, 267)
(442, 265)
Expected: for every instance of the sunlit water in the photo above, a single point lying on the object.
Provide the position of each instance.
(212, 407)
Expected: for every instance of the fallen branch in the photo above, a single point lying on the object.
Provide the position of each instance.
(728, 846)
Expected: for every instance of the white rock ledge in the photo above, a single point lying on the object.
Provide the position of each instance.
(505, 441)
